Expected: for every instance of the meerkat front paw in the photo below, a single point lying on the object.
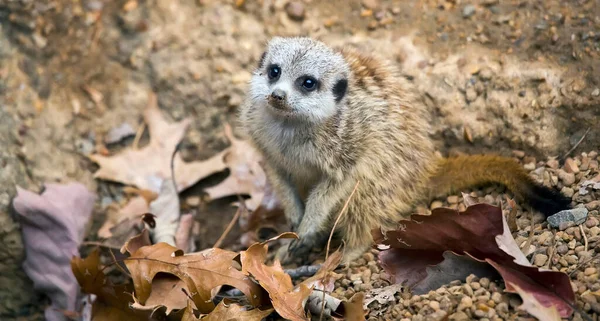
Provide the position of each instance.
(296, 251)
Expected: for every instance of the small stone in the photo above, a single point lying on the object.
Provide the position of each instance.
(593, 205)
(371, 4)
(596, 92)
(468, 11)
(453, 199)
(518, 153)
(434, 305)
(295, 10)
(576, 215)
(567, 178)
(562, 249)
(471, 94)
(436, 204)
(569, 192)
(540, 259)
(571, 166)
(590, 270)
(565, 225)
(552, 163)
(480, 314)
(591, 222)
(529, 166)
(459, 316)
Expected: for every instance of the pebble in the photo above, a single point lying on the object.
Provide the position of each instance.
(453, 199)
(371, 4)
(468, 11)
(540, 259)
(591, 222)
(459, 316)
(562, 249)
(569, 192)
(567, 178)
(571, 166)
(296, 10)
(436, 204)
(193, 201)
(576, 215)
(471, 94)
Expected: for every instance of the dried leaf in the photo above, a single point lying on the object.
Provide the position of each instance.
(148, 167)
(118, 133)
(166, 210)
(481, 232)
(353, 309)
(247, 176)
(534, 307)
(183, 236)
(325, 278)
(132, 210)
(287, 301)
(112, 301)
(201, 272)
(229, 312)
(53, 225)
(268, 215)
(384, 296)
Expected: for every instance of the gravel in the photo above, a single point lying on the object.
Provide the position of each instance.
(573, 248)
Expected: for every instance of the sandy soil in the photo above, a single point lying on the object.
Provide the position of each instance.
(497, 76)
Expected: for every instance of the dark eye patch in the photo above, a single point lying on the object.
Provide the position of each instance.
(339, 89)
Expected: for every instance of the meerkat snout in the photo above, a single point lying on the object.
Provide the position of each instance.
(277, 99)
(278, 94)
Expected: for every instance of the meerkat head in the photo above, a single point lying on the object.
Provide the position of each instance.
(299, 79)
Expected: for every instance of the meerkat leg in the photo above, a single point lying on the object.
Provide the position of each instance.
(293, 206)
(357, 240)
(322, 202)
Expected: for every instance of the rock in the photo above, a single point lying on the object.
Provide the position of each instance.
(459, 316)
(468, 11)
(471, 94)
(453, 199)
(295, 10)
(540, 259)
(436, 204)
(371, 4)
(596, 92)
(567, 178)
(593, 205)
(569, 192)
(565, 225)
(576, 215)
(571, 166)
(589, 271)
(562, 249)
(591, 222)
(529, 166)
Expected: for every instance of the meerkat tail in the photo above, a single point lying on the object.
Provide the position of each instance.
(456, 173)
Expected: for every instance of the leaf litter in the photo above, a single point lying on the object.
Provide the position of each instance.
(481, 234)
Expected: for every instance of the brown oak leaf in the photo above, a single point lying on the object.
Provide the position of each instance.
(147, 167)
(482, 233)
(200, 272)
(230, 312)
(287, 300)
(112, 301)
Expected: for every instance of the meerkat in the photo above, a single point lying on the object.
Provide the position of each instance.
(326, 118)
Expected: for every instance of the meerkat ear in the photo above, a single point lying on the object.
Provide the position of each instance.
(261, 61)
(339, 89)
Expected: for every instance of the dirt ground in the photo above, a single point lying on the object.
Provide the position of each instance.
(497, 75)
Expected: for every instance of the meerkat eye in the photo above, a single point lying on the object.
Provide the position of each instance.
(309, 84)
(274, 72)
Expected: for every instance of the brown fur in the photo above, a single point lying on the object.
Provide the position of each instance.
(378, 137)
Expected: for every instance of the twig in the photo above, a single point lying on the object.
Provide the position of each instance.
(138, 135)
(329, 242)
(118, 265)
(576, 144)
(90, 243)
(584, 238)
(228, 228)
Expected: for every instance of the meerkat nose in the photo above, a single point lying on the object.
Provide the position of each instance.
(278, 94)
